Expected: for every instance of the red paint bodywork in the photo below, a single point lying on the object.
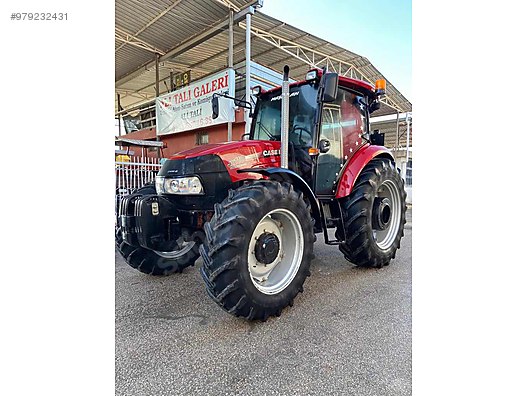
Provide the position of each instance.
(239, 155)
(347, 82)
(250, 154)
(355, 165)
(358, 85)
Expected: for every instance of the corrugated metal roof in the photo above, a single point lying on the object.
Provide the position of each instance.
(388, 127)
(166, 24)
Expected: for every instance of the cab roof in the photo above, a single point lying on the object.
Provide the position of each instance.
(352, 83)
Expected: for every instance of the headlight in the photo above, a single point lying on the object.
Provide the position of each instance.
(179, 185)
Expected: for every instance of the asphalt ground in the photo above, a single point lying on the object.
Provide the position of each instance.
(349, 333)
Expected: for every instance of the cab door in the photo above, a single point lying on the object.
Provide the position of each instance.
(342, 126)
(329, 164)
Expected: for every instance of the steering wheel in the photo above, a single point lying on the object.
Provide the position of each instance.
(302, 130)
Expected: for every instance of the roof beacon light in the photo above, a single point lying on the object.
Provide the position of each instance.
(381, 85)
(311, 75)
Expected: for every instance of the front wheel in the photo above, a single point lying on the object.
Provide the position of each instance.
(258, 249)
(374, 215)
(153, 262)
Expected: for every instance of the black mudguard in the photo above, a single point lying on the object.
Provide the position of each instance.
(282, 174)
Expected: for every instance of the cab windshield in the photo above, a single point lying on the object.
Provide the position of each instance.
(303, 104)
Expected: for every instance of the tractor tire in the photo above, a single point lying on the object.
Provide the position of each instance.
(374, 215)
(257, 250)
(148, 188)
(152, 262)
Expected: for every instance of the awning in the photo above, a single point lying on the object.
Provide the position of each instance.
(139, 143)
(191, 35)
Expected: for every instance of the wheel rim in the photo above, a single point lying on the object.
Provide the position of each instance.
(183, 248)
(281, 227)
(389, 193)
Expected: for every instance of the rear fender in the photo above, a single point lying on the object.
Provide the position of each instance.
(281, 174)
(355, 165)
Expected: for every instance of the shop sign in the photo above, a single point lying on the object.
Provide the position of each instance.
(190, 107)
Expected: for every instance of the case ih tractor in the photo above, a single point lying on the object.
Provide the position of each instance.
(252, 208)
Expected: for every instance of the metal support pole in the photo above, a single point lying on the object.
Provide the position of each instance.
(397, 130)
(230, 65)
(248, 70)
(157, 94)
(157, 75)
(119, 109)
(171, 81)
(397, 153)
(285, 116)
(408, 134)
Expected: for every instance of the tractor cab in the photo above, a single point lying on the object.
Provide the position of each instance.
(322, 135)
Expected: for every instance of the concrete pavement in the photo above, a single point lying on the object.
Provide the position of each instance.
(348, 333)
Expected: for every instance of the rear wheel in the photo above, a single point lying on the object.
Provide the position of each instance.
(258, 249)
(374, 215)
(159, 263)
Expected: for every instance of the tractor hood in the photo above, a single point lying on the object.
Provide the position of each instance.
(238, 155)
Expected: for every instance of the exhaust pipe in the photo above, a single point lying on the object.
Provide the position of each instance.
(285, 117)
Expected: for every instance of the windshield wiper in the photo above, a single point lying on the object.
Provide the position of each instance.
(272, 137)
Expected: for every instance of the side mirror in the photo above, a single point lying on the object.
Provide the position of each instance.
(214, 103)
(376, 138)
(374, 106)
(324, 146)
(330, 87)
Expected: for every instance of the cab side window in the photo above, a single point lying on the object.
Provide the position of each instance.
(342, 125)
(352, 121)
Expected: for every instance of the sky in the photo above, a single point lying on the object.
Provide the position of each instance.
(380, 30)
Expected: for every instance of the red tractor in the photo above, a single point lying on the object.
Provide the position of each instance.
(252, 208)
